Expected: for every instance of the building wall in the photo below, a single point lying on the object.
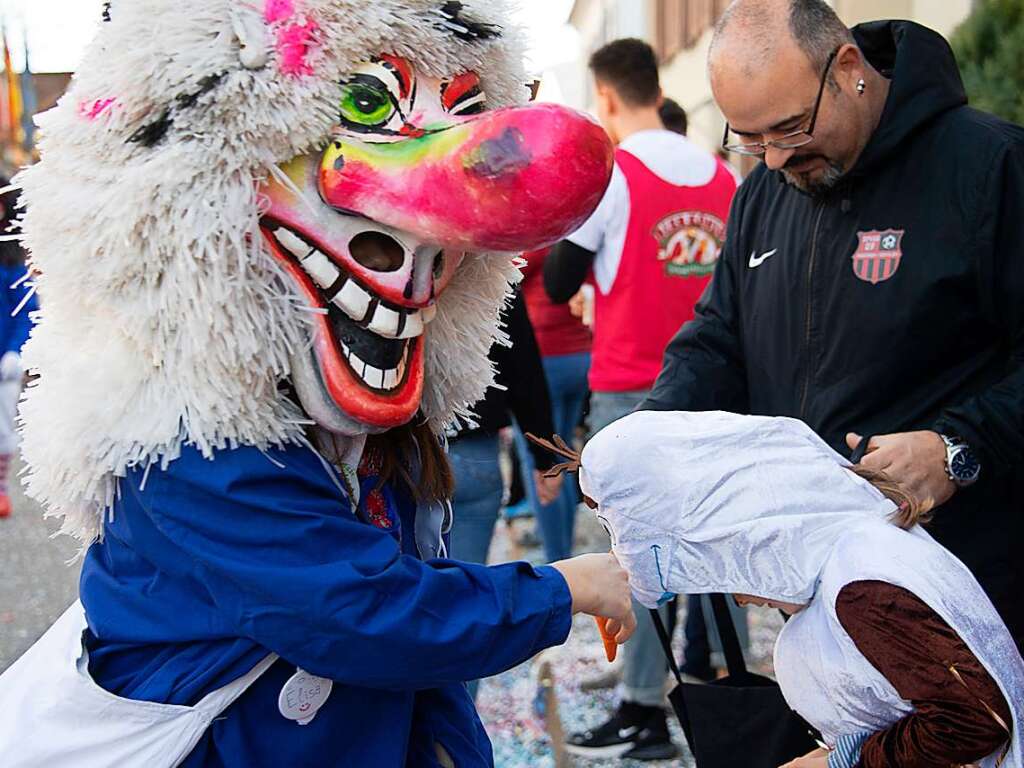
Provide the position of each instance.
(941, 15)
(600, 22)
(856, 11)
(685, 79)
(49, 88)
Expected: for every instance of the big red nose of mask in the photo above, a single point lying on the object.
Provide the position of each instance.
(509, 180)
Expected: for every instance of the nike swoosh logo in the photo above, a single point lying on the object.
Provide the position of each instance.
(756, 261)
(625, 733)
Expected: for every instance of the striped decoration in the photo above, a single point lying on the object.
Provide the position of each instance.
(846, 753)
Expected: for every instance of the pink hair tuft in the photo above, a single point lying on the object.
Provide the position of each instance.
(93, 109)
(294, 42)
(278, 10)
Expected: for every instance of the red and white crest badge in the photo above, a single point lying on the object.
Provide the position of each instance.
(878, 255)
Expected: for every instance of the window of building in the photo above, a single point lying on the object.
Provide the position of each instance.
(680, 24)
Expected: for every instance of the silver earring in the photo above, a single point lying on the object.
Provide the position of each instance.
(861, 86)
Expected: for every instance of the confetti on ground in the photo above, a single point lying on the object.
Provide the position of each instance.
(507, 703)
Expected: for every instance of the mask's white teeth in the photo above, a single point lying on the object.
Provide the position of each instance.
(413, 325)
(372, 376)
(295, 245)
(321, 269)
(353, 360)
(353, 301)
(385, 322)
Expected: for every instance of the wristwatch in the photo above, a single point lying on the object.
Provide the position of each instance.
(962, 466)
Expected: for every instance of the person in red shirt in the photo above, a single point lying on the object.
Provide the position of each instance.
(564, 343)
(650, 249)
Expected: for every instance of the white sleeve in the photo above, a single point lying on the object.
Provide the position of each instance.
(595, 230)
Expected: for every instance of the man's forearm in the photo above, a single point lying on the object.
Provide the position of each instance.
(992, 423)
(565, 270)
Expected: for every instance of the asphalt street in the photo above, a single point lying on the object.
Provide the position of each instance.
(36, 581)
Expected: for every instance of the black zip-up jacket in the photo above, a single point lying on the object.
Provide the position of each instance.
(788, 328)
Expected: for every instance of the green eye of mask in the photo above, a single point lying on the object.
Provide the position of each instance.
(366, 104)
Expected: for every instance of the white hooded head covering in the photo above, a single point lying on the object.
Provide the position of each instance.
(716, 502)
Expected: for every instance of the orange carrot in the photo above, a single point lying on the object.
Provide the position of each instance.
(611, 648)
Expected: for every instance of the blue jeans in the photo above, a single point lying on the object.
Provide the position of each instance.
(567, 383)
(477, 501)
(606, 407)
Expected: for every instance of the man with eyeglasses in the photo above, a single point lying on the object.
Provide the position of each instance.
(872, 280)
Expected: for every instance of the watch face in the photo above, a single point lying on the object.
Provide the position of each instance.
(964, 467)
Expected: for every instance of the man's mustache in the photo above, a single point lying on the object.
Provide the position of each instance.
(801, 160)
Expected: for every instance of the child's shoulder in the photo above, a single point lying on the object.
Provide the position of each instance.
(874, 551)
(244, 471)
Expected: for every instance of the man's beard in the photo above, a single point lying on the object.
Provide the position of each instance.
(817, 187)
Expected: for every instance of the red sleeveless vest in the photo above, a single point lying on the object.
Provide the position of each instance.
(673, 240)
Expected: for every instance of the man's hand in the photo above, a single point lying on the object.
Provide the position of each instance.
(578, 305)
(916, 461)
(816, 759)
(548, 488)
(582, 306)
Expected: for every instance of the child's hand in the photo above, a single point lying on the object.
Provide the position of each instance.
(600, 587)
(816, 759)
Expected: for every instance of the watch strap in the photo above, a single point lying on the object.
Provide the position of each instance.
(953, 442)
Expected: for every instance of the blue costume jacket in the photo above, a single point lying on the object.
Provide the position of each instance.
(209, 565)
(14, 328)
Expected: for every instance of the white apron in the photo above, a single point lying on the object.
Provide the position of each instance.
(55, 715)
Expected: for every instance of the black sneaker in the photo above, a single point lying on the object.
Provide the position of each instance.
(699, 674)
(633, 728)
(653, 741)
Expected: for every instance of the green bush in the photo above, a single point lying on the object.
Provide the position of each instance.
(989, 46)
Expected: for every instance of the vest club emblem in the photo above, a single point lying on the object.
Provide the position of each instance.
(878, 255)
(689, 242)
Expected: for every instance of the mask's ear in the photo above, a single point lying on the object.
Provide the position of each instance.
(560, 448)
(251, 33)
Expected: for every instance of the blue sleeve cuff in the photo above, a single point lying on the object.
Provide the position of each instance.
(560, 613)
(847, 751)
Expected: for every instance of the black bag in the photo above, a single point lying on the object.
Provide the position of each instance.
(738, 721)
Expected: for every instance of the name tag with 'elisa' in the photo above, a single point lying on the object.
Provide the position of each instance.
(303, 696)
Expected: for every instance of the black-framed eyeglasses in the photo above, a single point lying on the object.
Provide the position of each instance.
(792, 140)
